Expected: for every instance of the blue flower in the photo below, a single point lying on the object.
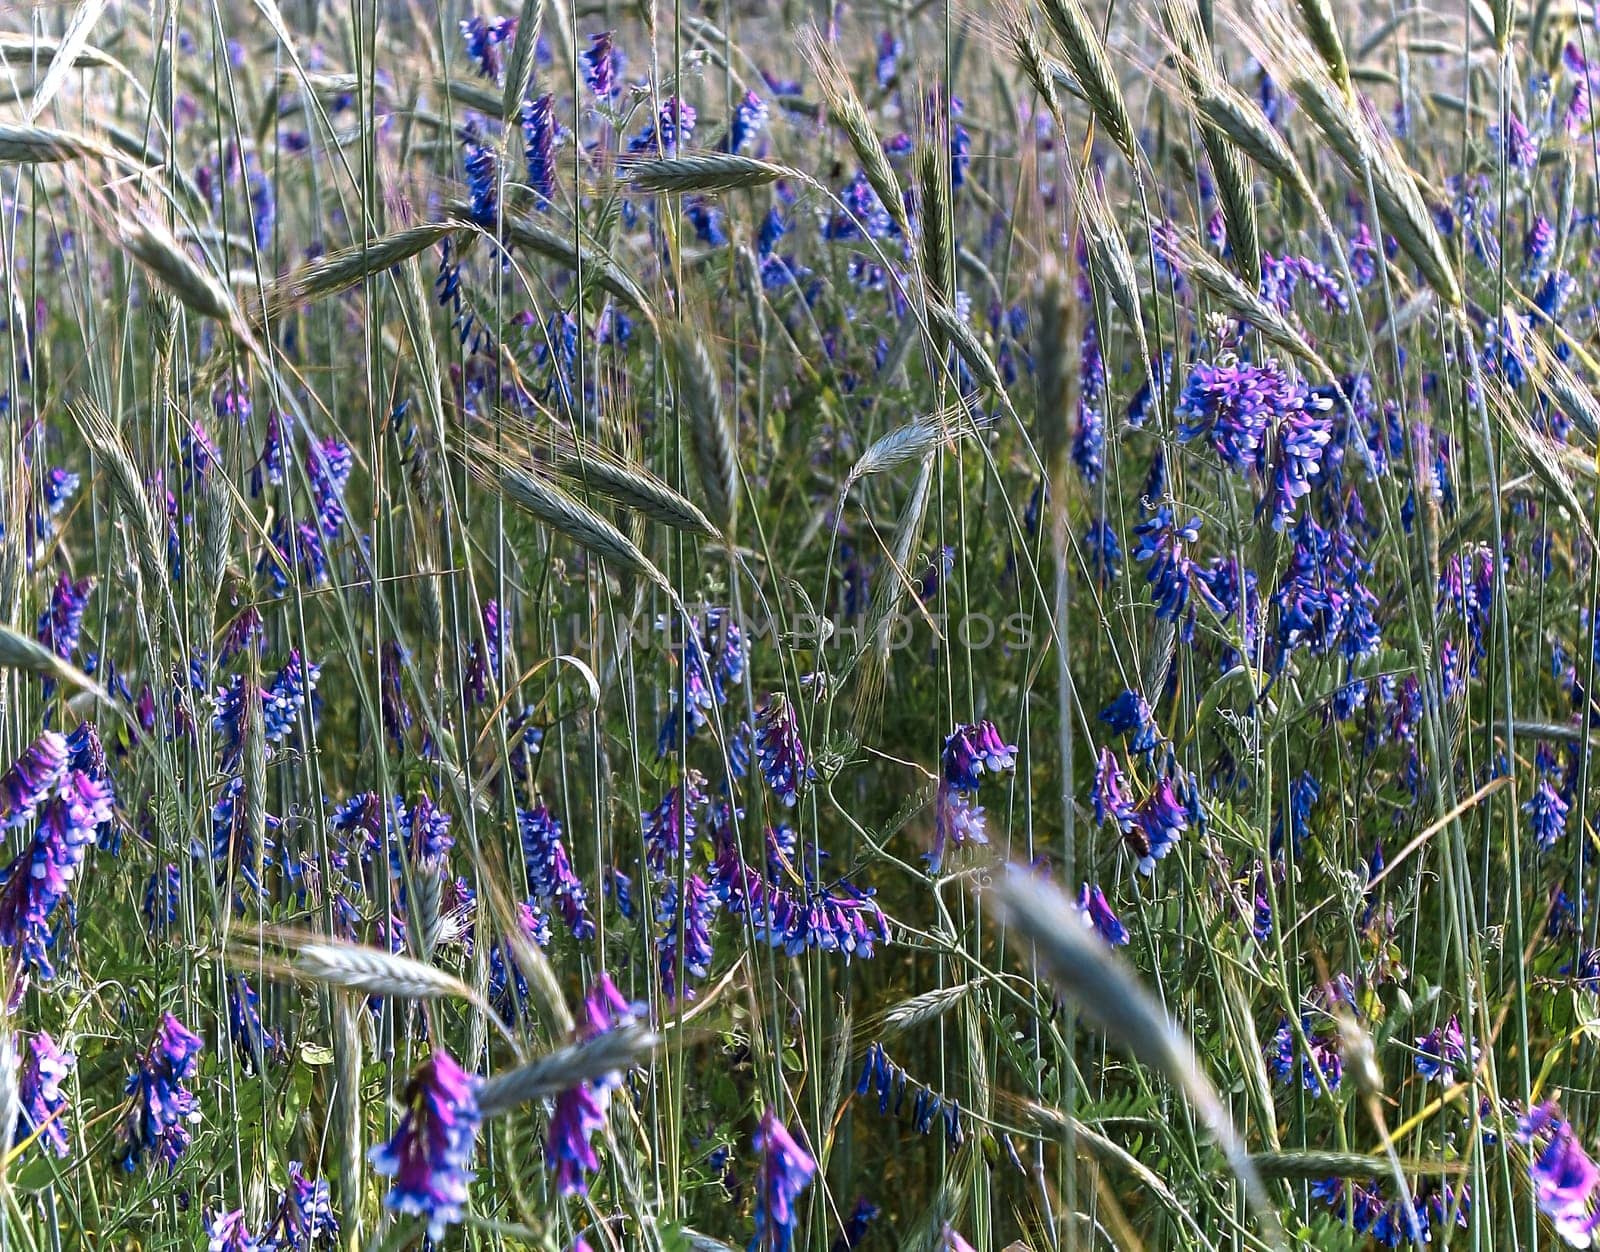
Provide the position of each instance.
(429, 1157)
(1129, 714)
(161, 1108)
(786, 1171)
(1547, 815)
(305, 1214)
(749, 120)
(1162, 546)
(42, 1105)
(1097, 914)
(550, 874)
(540, 132)
(688, 930)
(779, 752)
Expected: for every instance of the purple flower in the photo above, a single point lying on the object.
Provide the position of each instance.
(424, 831)
(951, 1241)
(540, 132)
(779, 752)
(40, 876)
(305, 1214)
(1158, 822)
(283, 701)
(485, 37)
(1233, 404)
(1102, 552)
(1442, 1050)
(688, 930)
(1563, 1175)
(161, 895)
(958, 820)
(551, 877)
(1302, 434)
(669, 828)
(482, 167)
(1089, 433)
(1096, 910)
(786, 1171)
(710, 650)
(227, 1233)
(251, 1040)
(1324, 1058)
(41, 1102)
(1547, 815)
(1129, 714)
(889, 50)
(1280, 276)
(855, 1228)
(580, 1111)
(33, 776)
(1521, 148)
(970, 750)
(161, 1108)
(1539, 246)
(599, 65)
(749, 120)
(1111, 802)
(59, 486)
(329, 472)
(245, 629)
(673, 127)
(60, 624)
(430, 1155)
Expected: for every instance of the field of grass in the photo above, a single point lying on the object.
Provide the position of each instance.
(709, 626)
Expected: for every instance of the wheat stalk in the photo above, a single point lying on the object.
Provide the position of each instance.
(526, 233)
(711, 434)
(703, 173)
(938, 260)
(851, 116)
(373, 971)
(339, 271)
(154, 248)
(620, 1048)
(1056, 380)
(919, 1010)
(1086, 55)
(562, 513)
